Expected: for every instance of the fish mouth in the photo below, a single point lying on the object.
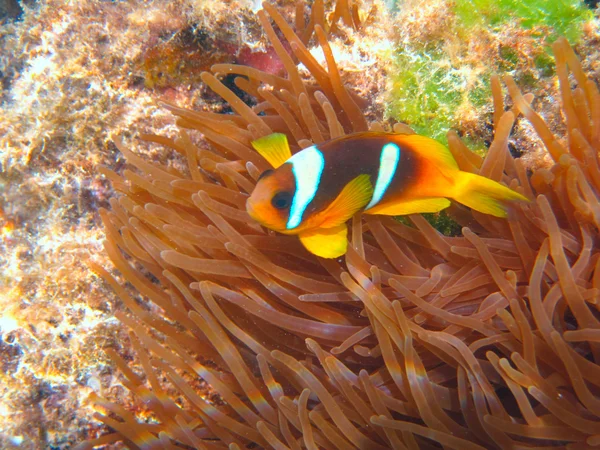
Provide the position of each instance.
(254, 215)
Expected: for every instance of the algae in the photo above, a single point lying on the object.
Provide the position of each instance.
(556, 17)
(442, 65)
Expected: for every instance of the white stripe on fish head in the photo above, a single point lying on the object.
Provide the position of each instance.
(307, 167)
(388, 164)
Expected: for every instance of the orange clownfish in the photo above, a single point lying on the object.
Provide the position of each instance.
(314, 192)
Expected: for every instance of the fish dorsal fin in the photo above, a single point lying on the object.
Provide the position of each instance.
(430, 149)
(326, 242)
(353, 197)
(274, 148)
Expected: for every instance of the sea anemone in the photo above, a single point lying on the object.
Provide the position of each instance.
(414, 339)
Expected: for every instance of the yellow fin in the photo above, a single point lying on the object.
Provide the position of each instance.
(484, 195)
(431, 150)
(353, 197)
(422, 205)
(274, 148)
(326, 242)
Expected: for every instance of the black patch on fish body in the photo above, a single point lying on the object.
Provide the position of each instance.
(265, 174)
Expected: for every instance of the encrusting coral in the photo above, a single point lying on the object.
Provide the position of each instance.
(490, 339)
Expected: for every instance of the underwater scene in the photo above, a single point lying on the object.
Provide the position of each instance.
(308, 224)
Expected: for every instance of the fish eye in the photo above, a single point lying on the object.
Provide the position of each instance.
(281, 200)
(264, 174)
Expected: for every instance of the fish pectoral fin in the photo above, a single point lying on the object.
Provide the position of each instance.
(355, 195)
(274, 148)
(422, 205)
(326, 242)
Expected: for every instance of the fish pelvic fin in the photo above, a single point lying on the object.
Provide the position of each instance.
(484, 195)
(326, 242)
(274, 148)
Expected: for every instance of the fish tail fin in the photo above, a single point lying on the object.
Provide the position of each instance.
(484, 195)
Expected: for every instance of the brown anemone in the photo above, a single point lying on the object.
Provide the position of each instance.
(490, 339)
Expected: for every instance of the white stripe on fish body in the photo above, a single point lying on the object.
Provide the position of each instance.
(307, 167)
(388, 164)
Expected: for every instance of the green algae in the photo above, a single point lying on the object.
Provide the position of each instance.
(558, 17)
(427, 89)
(441, 221)
(433, 91)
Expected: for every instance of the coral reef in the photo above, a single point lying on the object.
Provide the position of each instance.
(412, 340)
(72, 74)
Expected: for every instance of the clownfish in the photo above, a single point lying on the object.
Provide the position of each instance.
(314, 192)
